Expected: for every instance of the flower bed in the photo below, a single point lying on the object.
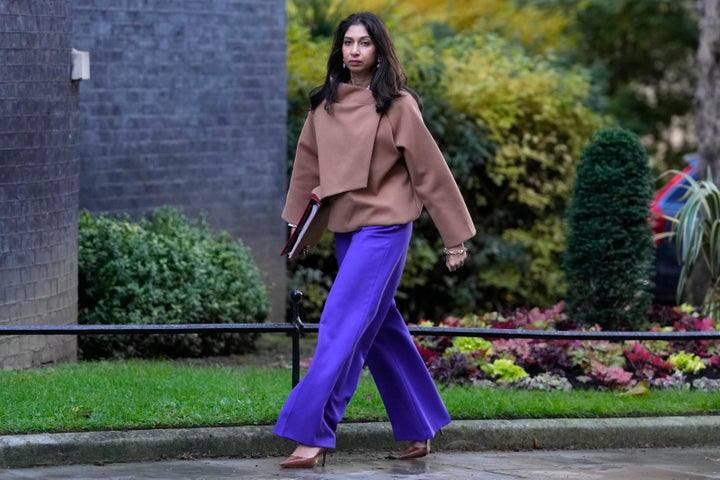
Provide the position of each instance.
(566, 364)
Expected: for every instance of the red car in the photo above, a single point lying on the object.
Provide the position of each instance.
(666, 203)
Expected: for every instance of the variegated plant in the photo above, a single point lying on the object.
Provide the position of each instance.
(696, 228)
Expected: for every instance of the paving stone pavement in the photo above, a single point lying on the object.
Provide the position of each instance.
(620, 464)
(662, 448)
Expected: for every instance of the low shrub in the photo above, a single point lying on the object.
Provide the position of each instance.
(164, 269)
(544, 364)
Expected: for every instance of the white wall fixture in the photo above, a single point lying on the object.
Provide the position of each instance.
(80, 65)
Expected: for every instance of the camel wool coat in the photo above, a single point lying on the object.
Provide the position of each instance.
(373, 169)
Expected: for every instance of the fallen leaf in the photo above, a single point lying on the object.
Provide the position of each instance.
(638, 390)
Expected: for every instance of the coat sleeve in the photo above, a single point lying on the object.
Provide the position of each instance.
(429, 173)
(305, 173)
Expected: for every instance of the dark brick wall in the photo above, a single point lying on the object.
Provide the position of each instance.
(38, 179)
(186, 106)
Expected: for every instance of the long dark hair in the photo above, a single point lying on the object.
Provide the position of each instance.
(388, 79)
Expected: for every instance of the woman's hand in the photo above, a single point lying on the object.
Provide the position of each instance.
(455, 257)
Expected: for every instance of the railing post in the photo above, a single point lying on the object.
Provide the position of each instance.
(295, 297)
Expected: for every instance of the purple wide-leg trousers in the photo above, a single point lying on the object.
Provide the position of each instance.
(360, 325)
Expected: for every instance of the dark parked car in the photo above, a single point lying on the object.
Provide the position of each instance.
(667, 202)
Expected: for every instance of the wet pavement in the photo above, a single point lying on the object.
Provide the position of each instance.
(620, 464)
(662, 448)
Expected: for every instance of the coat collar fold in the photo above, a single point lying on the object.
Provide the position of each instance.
(345, 140)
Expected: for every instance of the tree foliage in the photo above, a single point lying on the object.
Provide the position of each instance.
(535, 121)
(535, 29)
(641, 53)
(609, 247)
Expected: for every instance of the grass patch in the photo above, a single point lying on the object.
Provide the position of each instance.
(151, 394)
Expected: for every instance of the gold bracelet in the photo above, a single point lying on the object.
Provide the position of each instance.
(447, 251)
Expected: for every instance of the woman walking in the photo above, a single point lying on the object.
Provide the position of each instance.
(365, 151)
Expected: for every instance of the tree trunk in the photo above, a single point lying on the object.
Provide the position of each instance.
(707, 95)
(707, 120)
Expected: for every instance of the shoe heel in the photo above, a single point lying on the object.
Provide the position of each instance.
(413, 451)
(294, 461)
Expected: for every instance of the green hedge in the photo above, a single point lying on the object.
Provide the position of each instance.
(164, 269)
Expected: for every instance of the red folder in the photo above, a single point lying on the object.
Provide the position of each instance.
(309, 229)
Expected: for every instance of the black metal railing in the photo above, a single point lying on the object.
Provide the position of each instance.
(297, 328)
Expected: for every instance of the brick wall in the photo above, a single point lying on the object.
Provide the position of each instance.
(38, 179)
(186, 106)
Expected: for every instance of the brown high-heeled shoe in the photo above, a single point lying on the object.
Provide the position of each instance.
(295, 461)
(413, 451)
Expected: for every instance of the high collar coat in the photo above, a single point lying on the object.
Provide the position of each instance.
(373, 169)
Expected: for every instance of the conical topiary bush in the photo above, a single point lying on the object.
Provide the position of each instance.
(609, 254)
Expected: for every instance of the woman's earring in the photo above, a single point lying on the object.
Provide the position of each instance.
(344, 65)
(378, 64)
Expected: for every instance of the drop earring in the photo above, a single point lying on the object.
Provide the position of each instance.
(344, 65)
